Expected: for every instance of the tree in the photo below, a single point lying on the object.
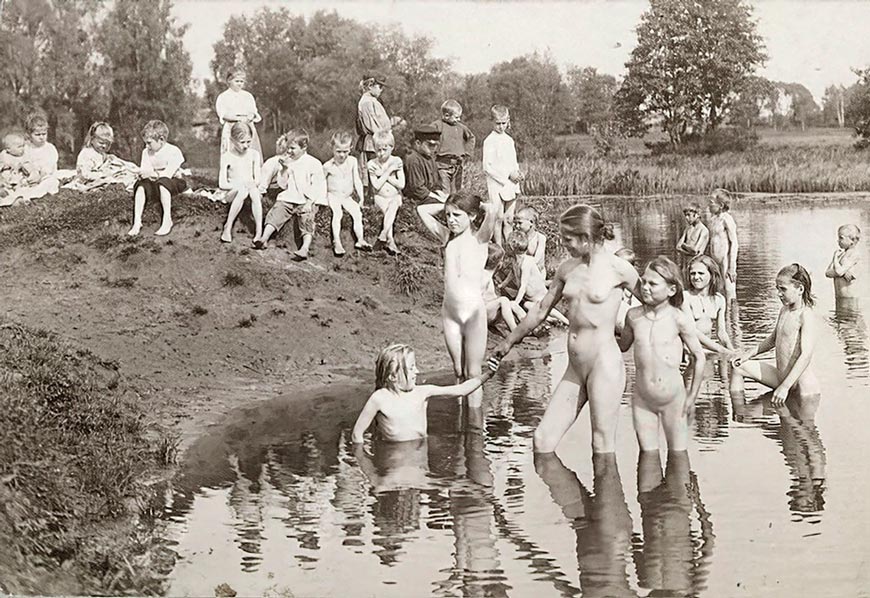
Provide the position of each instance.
(834, 106)
(146, 68)
(756, 97)
(691, 58)
(803, 110)
(592, 96)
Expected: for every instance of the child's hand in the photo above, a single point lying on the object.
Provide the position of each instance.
(739, 360)
(780, 394)
(848, 277)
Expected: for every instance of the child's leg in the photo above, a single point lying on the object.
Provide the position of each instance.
(475, 333)
(561, 412)
(138, 208)
(238, 200)
(646, 424)
(676, 426)
(352, 208)
(257, 212)
(335, 207)
(508, 222)
(166, 204)
(760, 372)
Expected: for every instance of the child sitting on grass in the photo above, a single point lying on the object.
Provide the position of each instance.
(531, 285)
(526, 222)
(42, 155)
(844, 264)
(306, 187)
(240, 178)
(159, 176)
(387, 178)
(398, 404)
(17, 175)
(96, 167)
(342, 181)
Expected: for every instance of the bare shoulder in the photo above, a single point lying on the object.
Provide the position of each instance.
(684, 321)
(634, 313)
(566, 267)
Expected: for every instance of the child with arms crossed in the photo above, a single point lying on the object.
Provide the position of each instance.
(159, 176)
(844, 264)
(659, 329)
(342, 181)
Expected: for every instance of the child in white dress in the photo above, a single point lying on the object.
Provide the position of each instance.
(233, 105)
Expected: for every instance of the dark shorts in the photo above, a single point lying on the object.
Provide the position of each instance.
(284, 211)
(174, 185)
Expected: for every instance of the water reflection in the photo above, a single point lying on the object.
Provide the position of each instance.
(848, 322)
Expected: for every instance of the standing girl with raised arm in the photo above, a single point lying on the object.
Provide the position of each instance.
(465, 253)
(592, 282)
(236, 105)
(723, 240)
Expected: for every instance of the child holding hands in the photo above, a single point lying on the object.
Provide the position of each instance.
(342, 181)
(844, 263)
(502, 172)
(159, 176)
(240, 178)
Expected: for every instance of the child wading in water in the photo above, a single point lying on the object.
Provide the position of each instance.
(240, 177)
(659, 329)
(398, 403)
(723, 240)
(159, 176)
(844, 264)
(342, 181)
(793, 339)
(693, 241)
(465, 254)
(705, 303)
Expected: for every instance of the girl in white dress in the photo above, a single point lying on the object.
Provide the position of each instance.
(233, 105)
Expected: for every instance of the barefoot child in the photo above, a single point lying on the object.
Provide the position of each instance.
(159, 176)
(236, 105)
(42, 155)
(306, 187)
(659, 329)
(723, 240)
(793, 339)
(502, 172)
(844, 264)
(531, 286)
(398, 404)
(705, 304)
(498, 305)
(342, 181)
(240, 178)
(694, 239)
(526, 222)
(387, 178)
(464, 251)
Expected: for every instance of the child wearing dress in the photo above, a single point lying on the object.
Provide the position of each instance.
(387, 178)
(342, 181)
(96, 167)
(502, 172)
(793, 340)
(235, 104)
(159, 176)
(526, 222)
(531, 285)
(844, 263)
(398, 404)
(240, 178)
(456, 146)
(302, 174)
(693, 241)
(16, 173)
(659, 329)
(705, 304)
(723, 240)
(42, 155)
(465, 253)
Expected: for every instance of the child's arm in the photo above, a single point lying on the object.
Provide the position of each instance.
(487, 227)
(457, 390)
(357, 182)
(763, 347)
(427, 213)
(689, 336)
(626, 339)
(808, 345)
(365, 418)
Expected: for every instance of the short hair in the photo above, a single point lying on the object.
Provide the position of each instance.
(518, 242)
(297, 136)
(530, 213)
(342, 138)
(627, 253)
(99, 129)
(236, 71)
(36, 121)
(11, 138)
(799, 274)
(391, 366)
(499, 111)
(723, 198)
(850, 229)
(383, 137)
(155, 129)
(668, 270)
(451, 106)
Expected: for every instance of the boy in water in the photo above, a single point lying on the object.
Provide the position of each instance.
(844, 263)
(456, 146)
(694, 239)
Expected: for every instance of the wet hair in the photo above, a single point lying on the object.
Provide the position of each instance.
(517, 242)
(627, 253)
(36, 121)
(342, 138)
(499, 111)
(717, 282)
(851, 230)
(530, 213)
(494, 256)
(668, 270)
(382, 137)
(723, 198)
(236, 71)
(452, 107)
(585, 221)
(467, 202)
(99, 129)
(391, 366)
(155, 129)
(799, 275)
(297, 136)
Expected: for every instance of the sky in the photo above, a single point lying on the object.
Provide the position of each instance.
(815, 43)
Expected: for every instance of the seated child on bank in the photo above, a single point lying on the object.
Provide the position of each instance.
(387, 178)
(342, 181)
(42, 155)
(306, 187)
(526, 222)
(398, 404)
(17, 177)
(497, 305)
(531, 285)
(159, 176)
(659, 329)
(96, 167)
(843, 268)
(239, 178)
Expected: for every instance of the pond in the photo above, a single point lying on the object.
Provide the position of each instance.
(768, 502)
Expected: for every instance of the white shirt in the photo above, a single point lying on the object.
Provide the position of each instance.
(230, 104)
(305, 181)
(499, 161)
(165, 162)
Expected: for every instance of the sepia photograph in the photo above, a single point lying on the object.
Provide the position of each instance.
(452, 298)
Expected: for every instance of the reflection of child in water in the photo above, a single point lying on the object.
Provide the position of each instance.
(398, 403)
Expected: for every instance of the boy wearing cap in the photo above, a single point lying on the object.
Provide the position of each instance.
(457, 145)
(422, 181)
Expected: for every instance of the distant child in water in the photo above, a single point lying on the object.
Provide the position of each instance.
(398, 404)
(694, 239)
(844, 264)
(794, 340)
(659, 329)
(531, 285)
(526, 222)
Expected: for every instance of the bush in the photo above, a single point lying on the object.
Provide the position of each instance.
(730, 139)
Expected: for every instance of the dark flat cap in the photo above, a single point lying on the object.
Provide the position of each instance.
(426, 133)
(379, 79)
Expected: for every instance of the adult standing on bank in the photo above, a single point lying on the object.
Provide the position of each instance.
(235, 104)
(371, 117)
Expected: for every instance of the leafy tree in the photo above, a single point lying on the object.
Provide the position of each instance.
(592, 97)
(691, 58)
(834, 106)
(146, 68)
(804, 110)
(756, 96)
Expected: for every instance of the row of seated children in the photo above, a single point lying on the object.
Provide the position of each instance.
(28, 163)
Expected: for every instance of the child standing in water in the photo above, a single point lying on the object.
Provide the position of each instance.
(526, 222)
(465, 253)
(387, 179)
(502, 172)
(723, 240)
(398, 403)
(844, 264)
(342, 181)
(240, 177)
(705, 304)
(694, 239)
(794, 340)
(659, 329)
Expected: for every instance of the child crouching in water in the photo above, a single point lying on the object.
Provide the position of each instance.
(159, 176)
(659, 329)
(793, 339)
(398, 404)
(531, 285)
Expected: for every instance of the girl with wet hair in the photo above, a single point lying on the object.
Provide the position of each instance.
(592, 283)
